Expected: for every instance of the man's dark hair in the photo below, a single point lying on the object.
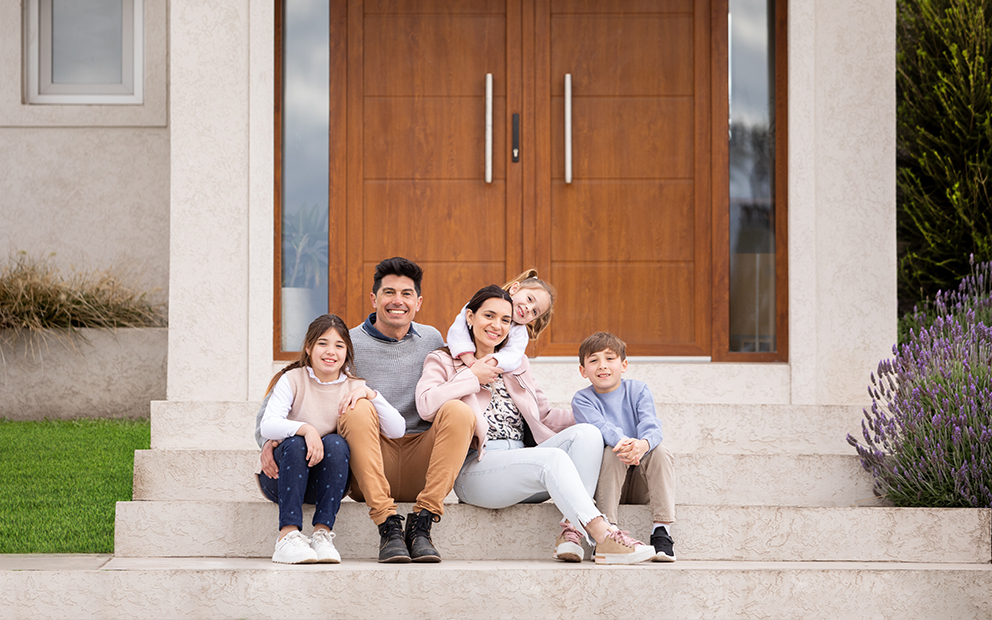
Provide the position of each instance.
(397, 266)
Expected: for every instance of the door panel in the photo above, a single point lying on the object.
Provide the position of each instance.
(624, 137)
(437, 221)
(627, 298)
(644, 221)
(430, 138)
(621, 6)
(621, 55)
(626, 244)
(416, 148)
(630, 235)
(462, 49)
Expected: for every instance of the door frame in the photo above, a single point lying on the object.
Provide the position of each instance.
(533, 183)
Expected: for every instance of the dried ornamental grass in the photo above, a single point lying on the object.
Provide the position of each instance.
(928, 436)
(34, 296)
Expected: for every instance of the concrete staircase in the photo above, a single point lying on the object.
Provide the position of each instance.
(776, 520)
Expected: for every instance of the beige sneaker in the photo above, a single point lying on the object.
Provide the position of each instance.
(568, 545)
(619, 548)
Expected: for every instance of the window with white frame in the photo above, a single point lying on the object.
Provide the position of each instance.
(85, 51)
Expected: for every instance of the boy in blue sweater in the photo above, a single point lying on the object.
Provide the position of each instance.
(636, 468)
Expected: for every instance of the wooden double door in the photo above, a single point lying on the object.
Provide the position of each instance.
(627, 242)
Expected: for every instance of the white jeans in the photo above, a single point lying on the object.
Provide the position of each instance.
(564, 468)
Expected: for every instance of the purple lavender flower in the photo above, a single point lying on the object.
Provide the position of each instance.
(928, 433)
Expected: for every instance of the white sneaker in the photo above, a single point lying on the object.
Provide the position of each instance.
(322, 542)
(567, 546)
(294, 548)
(619, 548)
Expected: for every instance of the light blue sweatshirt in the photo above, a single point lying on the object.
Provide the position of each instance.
(627, 411)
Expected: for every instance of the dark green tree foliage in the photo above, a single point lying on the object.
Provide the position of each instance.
(944, 143)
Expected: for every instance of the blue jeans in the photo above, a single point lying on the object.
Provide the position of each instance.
(324, 484)
(564, 468)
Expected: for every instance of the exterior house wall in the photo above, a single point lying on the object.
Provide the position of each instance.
(89, 183)
(841, 208)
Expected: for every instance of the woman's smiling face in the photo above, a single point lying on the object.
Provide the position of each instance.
(490, 325)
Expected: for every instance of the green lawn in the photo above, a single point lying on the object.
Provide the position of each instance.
(60, 481)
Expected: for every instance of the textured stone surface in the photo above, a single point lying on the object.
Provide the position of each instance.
(110, 374)
(747, 533)
(210, 171)
(696, 428)
(855, 237)
(203, 425)
(677, 382)
(749, 479)
(208, 588)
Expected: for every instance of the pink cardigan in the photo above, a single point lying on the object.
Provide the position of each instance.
(446, 378)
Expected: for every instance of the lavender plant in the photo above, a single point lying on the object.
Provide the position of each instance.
(928, 435)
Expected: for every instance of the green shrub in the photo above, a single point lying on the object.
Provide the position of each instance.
(944, 119)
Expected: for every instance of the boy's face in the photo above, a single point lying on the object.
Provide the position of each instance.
(603, 369)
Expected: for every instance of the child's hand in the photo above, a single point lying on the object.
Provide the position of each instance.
(485, 369)
(351, 398)
(468, 358)
(315, 447)
(269, 466)
(631, 450)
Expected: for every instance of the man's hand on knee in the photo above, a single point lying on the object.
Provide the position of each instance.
(269, 466)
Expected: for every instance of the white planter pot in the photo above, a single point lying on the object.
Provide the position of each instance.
(108, 373)
(300, 306)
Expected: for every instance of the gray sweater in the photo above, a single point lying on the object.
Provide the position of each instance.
(393, 367)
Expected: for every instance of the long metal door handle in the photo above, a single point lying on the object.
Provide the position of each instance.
(489, 128)
(568, 127)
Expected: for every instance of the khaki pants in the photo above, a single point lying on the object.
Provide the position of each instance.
(418, 468)
(652, 482)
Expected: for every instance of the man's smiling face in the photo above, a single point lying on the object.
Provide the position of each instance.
(396, 303)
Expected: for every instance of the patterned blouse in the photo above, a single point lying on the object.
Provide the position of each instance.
(504, 419)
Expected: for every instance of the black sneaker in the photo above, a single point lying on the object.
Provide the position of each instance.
(418, 536)
(663, 546)
(391, 546)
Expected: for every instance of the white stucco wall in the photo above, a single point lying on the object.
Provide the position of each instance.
(209, 297)
(841, 206)
(87, 182)
(842, 235)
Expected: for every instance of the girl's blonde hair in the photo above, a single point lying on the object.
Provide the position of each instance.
(317, 329)
(529, 279)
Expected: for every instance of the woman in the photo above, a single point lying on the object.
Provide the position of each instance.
(511, 412)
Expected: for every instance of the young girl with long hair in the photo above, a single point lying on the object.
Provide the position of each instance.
(302, 413)
(533, 299)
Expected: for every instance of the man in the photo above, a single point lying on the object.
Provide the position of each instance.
(421, 466)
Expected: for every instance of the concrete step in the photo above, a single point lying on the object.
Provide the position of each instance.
(527, 532)
(712, 428)
(764, 480)
(256, 588)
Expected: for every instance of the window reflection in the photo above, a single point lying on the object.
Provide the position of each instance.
(86, 41)
(752, 178)
(305, 160)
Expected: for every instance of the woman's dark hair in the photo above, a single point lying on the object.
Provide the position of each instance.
(317, 328)
(481, 296)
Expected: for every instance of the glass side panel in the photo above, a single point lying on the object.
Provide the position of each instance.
(752, 182)
(305, 126)
(86, 41)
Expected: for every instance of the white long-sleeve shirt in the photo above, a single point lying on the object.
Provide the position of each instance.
(508, 358)
(275, 423)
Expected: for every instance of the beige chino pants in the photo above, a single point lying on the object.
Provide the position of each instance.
(418, 468)
(652, 482)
